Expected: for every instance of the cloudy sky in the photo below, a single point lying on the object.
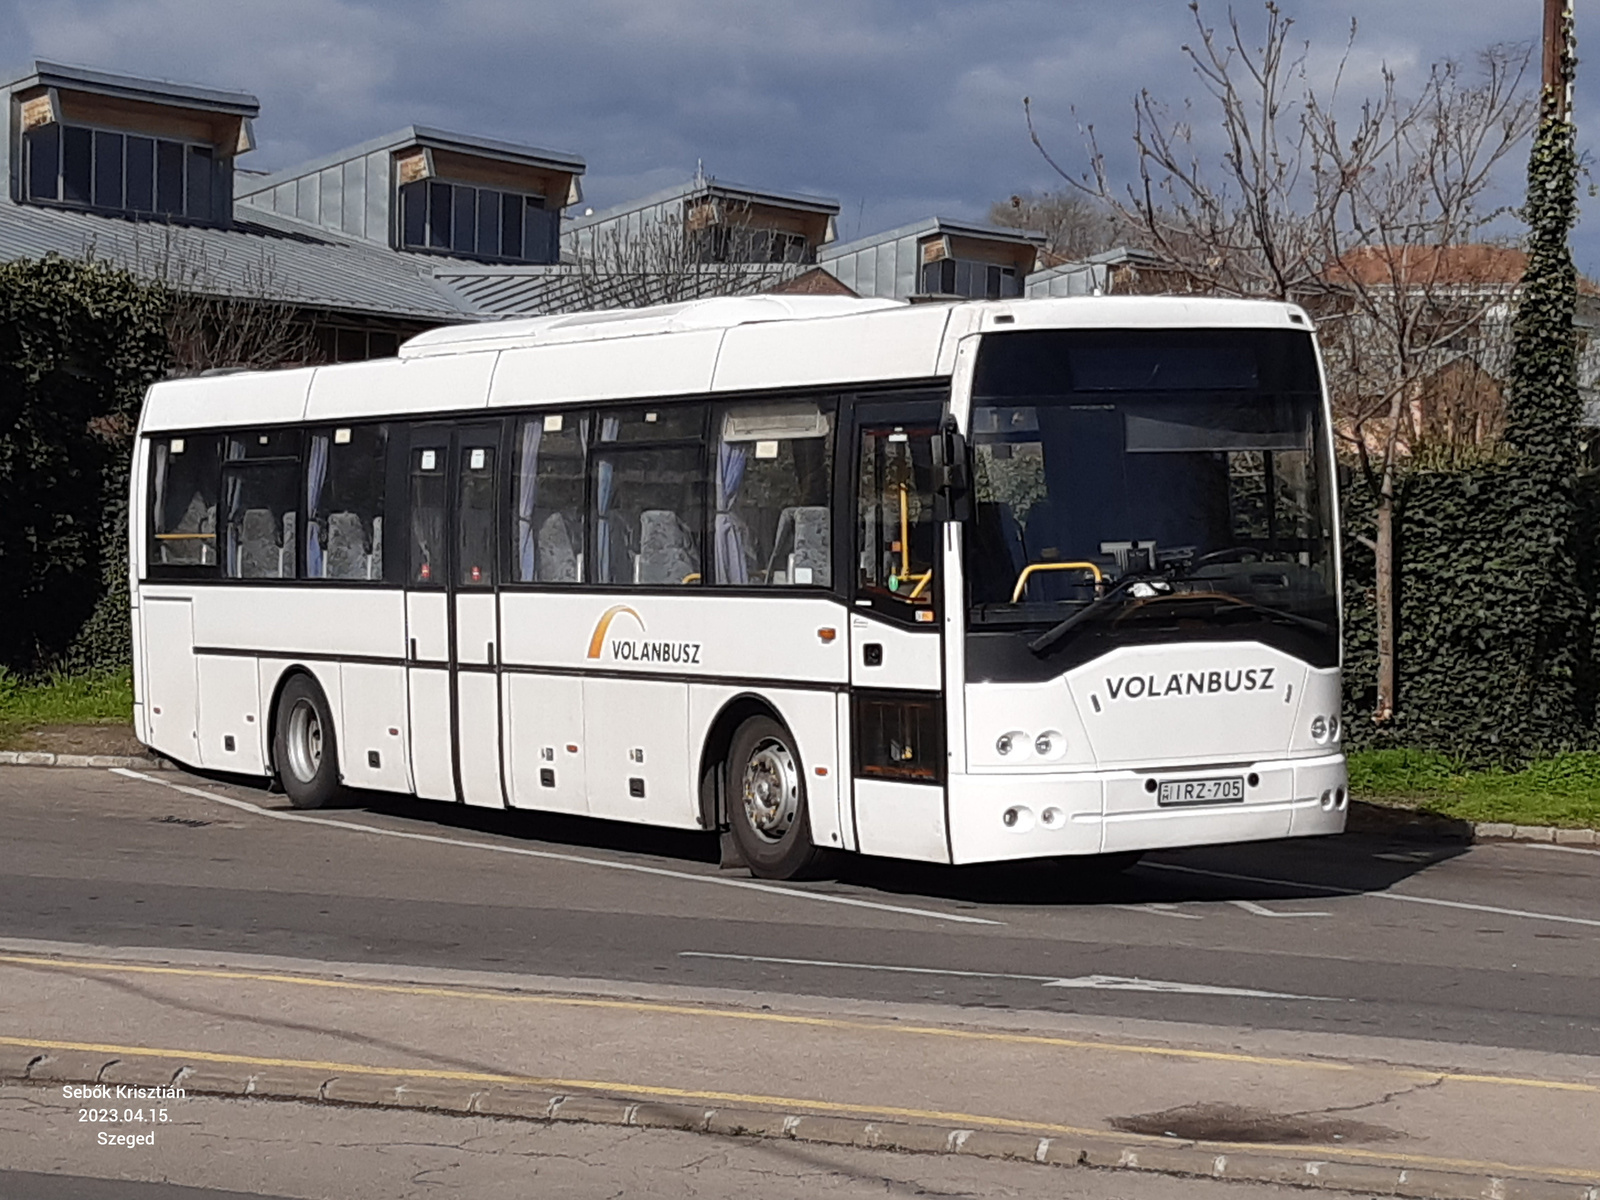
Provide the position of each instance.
(897, 108)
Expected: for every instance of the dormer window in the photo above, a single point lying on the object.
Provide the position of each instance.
(477, 222)
(123, 172)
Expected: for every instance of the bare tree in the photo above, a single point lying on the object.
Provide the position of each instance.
(222, 313)
(677, 254)
(1370, 211)
(1074, 226)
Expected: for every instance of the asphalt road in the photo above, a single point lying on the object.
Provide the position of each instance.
(1494, 945)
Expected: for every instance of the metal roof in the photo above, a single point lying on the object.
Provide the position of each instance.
(539, 290)
(710, 186)
(129, 87)
(261, 254)
(932, 225)
(420, 135)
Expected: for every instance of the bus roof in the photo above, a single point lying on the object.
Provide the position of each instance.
(702, 347)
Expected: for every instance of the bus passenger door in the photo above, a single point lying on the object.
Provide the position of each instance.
(896, 647)
(474, 611)
(428, 614)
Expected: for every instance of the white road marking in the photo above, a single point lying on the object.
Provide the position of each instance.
(1260, 910)
(638, 868)
(1397, 896)
(1099, 983)
(1159, 910)
(1552, 846)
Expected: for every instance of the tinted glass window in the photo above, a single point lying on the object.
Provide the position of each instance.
(427, 516)
(198, 185)
(547, 529)
(108, 170)
(669, 423)
(169, 178)
(475, 518)
(647, 515)
(414, 214)
(184, 481)
(43, 147)
(463, 239)
(141, 174)
(260, 499)
(344, 503)
(77, 161)
(488, 222)
(439, 215)
(511, 226)
(774, 477)
(896, 535)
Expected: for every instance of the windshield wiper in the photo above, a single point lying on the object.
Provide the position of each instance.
(1161, 588)
(1158, 583)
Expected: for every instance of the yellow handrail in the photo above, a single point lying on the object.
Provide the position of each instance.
(691, 577)
(1022, 580)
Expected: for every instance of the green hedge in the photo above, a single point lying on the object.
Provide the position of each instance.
(79, 343)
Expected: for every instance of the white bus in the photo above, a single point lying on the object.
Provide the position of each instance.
(955, 583)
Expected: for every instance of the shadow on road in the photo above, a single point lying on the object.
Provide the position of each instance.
(1382, 849)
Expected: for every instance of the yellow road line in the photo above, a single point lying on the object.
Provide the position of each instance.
(959, 1119)
(841, 1023)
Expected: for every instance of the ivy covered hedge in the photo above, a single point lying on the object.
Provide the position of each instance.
(79, 343)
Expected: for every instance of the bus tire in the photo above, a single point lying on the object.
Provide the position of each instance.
(767, 802)
(304, 749)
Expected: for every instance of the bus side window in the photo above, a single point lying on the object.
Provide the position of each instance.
(895, 528)
(547, 505)
(773, 487)
(427, 516)
(185, 477)
(649, 497)
(260, 500)
(345, 470)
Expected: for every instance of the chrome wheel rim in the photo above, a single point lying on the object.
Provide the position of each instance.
(771, 787)
(303, 741)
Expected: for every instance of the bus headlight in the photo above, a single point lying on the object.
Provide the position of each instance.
(1319, 728)
(1004, 744)
(1049, 744)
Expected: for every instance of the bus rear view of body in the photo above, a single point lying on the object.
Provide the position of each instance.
(986, 581)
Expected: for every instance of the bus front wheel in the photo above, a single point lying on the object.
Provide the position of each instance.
(767, 802)
(303, 748)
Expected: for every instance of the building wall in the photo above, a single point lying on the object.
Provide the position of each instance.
(353, 198)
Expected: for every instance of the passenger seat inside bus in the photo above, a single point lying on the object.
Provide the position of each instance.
(805, 530)
(557, 556)
(666, 549)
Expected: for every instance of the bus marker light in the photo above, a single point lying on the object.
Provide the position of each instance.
(393, 732)
(827, 635)
(571, 749)
(924, 615)
(822, 770)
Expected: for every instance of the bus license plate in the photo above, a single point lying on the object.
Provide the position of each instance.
(1202, 791)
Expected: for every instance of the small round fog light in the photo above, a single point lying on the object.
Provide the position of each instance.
(1009, 817)
(1327, 801)
(1051, 817)
(1333, 727)
(1319, 728)
(1003, 745)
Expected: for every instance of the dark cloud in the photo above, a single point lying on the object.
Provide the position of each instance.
(899, 108)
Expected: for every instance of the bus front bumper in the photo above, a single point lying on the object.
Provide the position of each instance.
(995, 817)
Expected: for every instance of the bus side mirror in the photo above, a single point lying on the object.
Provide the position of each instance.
(952, 474)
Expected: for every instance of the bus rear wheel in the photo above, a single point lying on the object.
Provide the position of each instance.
(767, 802)
(303, 747)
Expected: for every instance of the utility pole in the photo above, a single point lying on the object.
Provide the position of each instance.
(1556, 76)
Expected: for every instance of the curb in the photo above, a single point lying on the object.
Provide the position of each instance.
(511, 1100)
(44, 758)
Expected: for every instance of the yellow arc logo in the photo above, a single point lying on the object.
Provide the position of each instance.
(598, 640)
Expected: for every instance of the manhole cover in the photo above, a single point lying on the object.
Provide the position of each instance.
(1232, 1123)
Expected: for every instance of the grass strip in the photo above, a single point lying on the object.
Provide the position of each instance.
(1562, 790)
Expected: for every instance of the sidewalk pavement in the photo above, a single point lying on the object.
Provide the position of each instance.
(1406, 1118)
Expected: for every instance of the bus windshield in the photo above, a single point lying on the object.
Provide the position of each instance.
(1151, 485)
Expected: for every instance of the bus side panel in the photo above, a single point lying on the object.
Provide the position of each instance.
(170, 675)
(544, 733)
(901, 820)
(811, 717)
(229, 724)
(372, 724)
(139, 473)
(637, 753)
